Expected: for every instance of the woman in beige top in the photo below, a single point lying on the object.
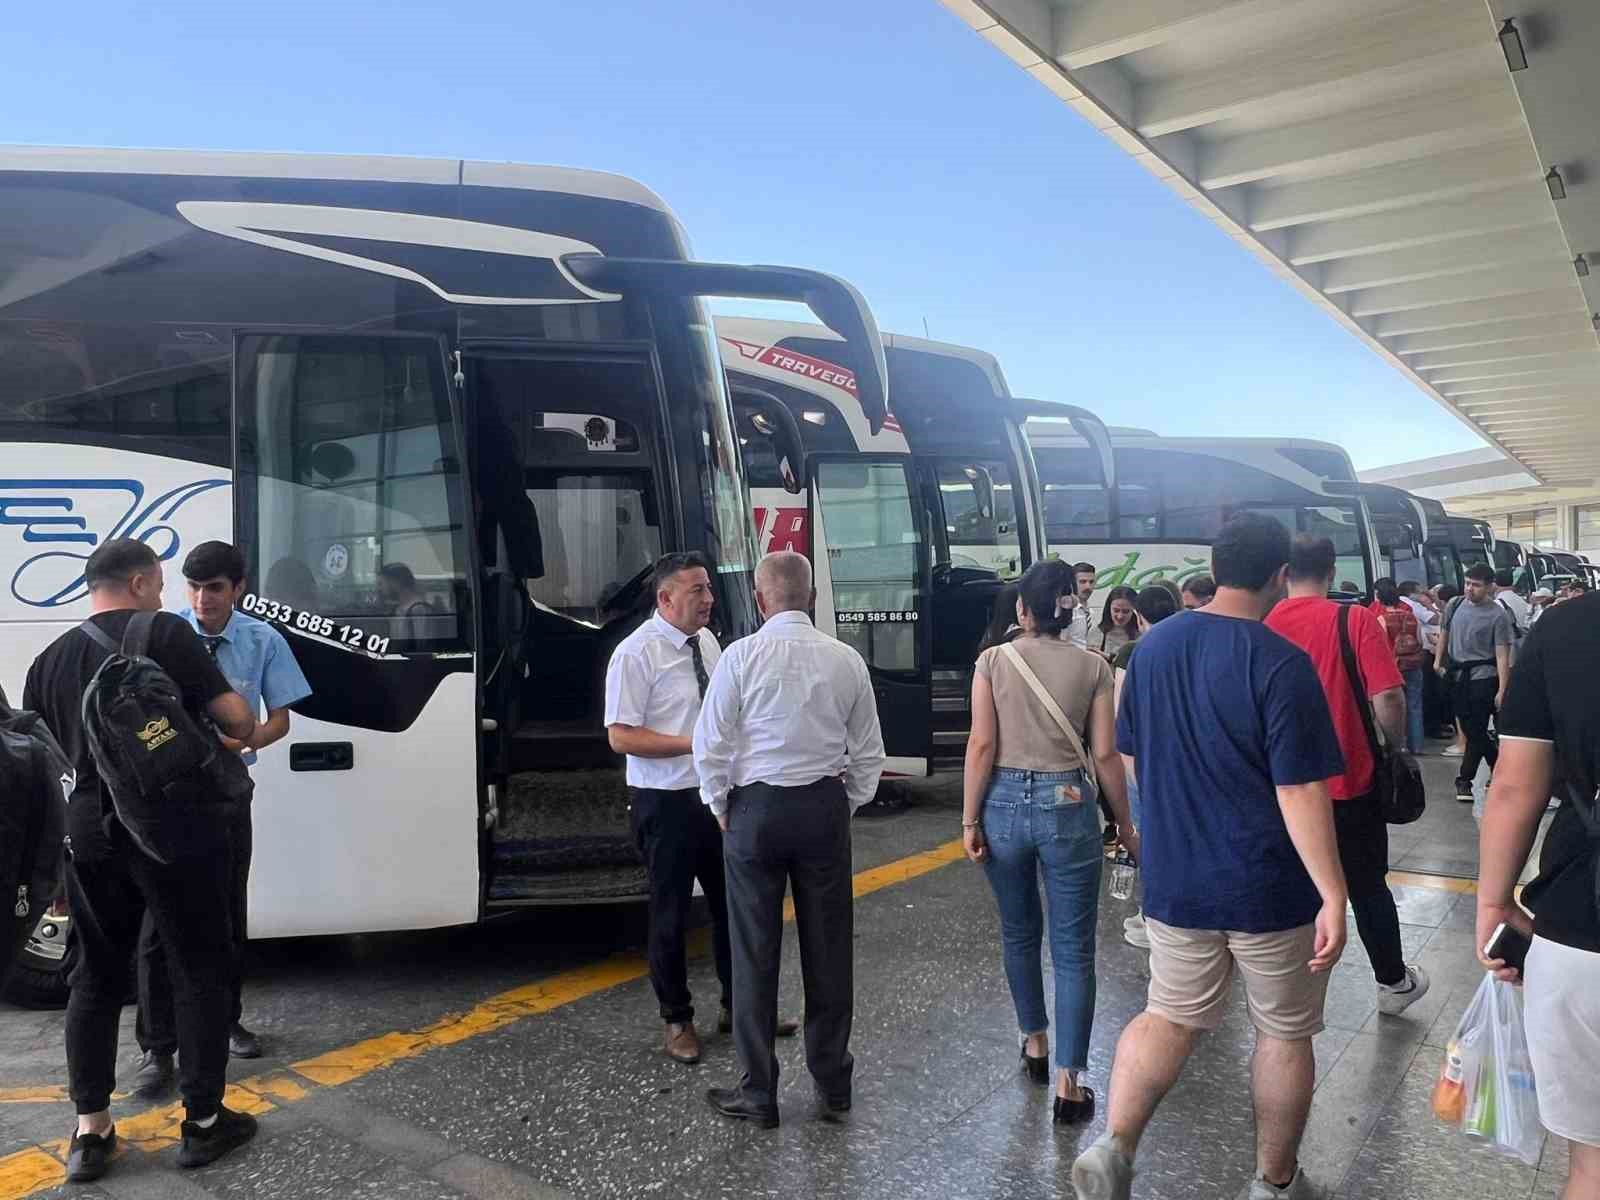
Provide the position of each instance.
(1030, 812)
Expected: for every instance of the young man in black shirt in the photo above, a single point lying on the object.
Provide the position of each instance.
(110, 883)
(1550, 729)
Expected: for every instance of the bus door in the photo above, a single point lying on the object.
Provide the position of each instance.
(351, 509)
(869, 553)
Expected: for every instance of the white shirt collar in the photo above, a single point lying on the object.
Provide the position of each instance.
(791, 617)
(671, 632)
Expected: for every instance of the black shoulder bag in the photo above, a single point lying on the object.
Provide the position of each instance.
(1396, 778)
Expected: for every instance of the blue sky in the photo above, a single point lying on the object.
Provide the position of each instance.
(883, 141)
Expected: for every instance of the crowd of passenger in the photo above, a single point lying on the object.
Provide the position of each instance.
(1240, 754)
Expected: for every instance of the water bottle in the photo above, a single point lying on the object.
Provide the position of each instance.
(1122, 874)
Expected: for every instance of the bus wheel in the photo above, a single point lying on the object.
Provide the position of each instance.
(38, 977)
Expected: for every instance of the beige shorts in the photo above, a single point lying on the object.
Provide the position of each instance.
(1191, 969)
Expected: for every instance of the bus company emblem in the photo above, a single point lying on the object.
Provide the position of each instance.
(157, 733)
(807, 367)
(464, 262)
(73, 516)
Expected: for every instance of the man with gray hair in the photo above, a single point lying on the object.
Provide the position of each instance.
(787, 747)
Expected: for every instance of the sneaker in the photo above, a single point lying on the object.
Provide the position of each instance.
(1395, 998)
(242, 1043)
(1452, 752)
(1299, 1188)
(1103, 1172)
(90, 1155)
(1135, 933)
(155, 1076)
(205, 1145)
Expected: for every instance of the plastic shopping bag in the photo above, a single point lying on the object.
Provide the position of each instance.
(1486, 1084)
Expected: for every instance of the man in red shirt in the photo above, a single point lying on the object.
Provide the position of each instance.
(1311, 621)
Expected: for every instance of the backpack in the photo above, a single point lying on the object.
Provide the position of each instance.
(1406, 642)
(36, 778)
(171, 782)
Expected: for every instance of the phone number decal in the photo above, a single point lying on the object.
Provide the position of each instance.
(877, 616)
(309, 622)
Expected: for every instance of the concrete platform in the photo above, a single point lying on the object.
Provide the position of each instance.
(522, 1059)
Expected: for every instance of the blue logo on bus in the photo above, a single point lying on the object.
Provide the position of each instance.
(58, 512)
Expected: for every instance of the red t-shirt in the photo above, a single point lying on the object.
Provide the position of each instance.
(1309, 622)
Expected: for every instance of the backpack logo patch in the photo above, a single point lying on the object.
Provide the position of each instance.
(157, 733)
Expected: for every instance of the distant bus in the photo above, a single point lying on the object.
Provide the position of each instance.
(300, 354)
(1173, 495)
(1413, 538)
(914, 529)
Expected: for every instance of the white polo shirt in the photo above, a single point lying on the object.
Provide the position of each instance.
(650, 684)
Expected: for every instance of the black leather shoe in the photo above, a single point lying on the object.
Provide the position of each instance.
(90, 1155)
(243, 1044)
(732, 1102)
(1036, 1069)
(833, 1108)
(1074, 1112)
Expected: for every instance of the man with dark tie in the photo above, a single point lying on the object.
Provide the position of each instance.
(654, 685)
(256, 661)
(787, 748)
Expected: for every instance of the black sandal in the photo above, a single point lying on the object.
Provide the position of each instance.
(1036, 1069)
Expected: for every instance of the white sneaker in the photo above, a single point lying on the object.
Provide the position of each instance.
(1452, 751)
(1299, 1189)
(1134, 932)
(1103, 1172)
(1394, 999)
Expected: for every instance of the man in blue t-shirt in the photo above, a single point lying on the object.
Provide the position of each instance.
(1230, 731)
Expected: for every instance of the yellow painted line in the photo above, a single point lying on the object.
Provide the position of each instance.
(1439, 883)
(38, 1168)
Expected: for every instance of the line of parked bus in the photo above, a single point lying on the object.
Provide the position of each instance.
(336, 363)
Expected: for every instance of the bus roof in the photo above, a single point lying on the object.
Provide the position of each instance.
(380, 168)
(769, 332)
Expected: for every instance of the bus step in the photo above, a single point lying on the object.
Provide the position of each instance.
(585, 885)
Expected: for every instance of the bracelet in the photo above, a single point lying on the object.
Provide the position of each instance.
(970, 824)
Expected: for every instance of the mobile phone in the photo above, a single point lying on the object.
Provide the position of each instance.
(1508, 944)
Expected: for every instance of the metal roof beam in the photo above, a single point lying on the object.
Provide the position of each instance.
(1315, 64)
(1475, 285)
(1557, 302)
(1491, 333)
(1383, 189)
(1096, 31)
(1369, 137)
(1532, 381)
(1435, 262)
(1532, 350)
(1515, 208)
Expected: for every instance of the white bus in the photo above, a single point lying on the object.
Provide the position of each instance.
(913, 529)
(1174, 494)
(343, 364)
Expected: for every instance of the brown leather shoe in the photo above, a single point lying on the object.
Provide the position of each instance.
(683, 1043)
(785, 1029)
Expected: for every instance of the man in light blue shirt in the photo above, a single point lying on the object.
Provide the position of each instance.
(258, 664)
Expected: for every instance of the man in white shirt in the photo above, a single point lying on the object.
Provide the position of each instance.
(654, 685)
(788, 747)
(1077, 630)
(1506, 597)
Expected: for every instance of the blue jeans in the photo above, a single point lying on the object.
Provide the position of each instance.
(1414, 727)
(1034, 828)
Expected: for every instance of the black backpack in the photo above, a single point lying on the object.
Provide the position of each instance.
(36, 779)
(171, 782)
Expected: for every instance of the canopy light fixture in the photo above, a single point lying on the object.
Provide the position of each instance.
(1556, 184)
(1581, 266)
(1511, 43)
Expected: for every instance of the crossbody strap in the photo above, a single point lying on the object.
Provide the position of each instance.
(98, 636)
(1353, 671)
(1014, 657)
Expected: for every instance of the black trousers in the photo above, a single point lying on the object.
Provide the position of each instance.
(680, 842)
(156, 1026)
(1363, 838)
(1438, 709)
(1475, 709)
(189, 902)
(799, 836)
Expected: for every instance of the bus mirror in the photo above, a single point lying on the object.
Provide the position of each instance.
(1085, 424)
(769, 417)
(837, 305)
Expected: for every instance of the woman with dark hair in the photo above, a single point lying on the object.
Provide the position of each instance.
(1003, 620)
(1042, 748)
(1118, 623)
